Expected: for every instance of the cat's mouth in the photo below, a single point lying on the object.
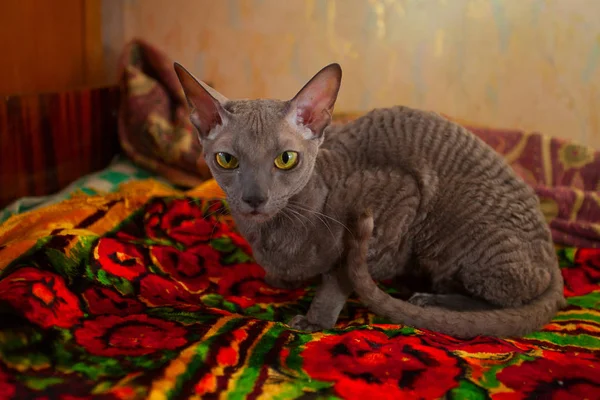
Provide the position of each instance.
(256, 214)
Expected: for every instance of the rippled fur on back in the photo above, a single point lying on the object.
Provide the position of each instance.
(443, 205)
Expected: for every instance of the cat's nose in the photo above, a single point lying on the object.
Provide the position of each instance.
(254, 201)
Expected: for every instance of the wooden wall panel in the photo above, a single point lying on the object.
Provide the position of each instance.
(49, 45)
(51, 133)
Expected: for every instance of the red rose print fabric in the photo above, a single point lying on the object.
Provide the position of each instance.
(362, 361)
(169, 303)
(132, 335)
(42, 296)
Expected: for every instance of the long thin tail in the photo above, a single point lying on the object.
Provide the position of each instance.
(507, 322)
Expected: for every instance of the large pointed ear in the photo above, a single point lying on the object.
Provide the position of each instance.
(312, 107)
(206, 104)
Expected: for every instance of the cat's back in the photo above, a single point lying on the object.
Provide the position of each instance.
(455, 169)
(413, 139)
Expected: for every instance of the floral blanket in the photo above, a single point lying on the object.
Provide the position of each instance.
(151, 293)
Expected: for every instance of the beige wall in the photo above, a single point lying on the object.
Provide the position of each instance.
(533, 64)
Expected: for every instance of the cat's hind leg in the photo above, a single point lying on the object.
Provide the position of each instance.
(505, 283)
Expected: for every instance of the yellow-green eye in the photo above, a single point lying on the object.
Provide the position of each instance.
(226, 160)
(286, 160)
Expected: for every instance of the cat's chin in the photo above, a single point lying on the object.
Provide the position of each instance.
(254, 217)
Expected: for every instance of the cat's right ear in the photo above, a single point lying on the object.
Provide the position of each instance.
(206, 104)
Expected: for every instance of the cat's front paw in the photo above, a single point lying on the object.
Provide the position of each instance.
(301, 323)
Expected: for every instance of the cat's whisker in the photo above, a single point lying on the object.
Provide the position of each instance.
(292, 210)
(294, 219)
(318, 215)
(299, 217)
(219, 212)
(301, 207)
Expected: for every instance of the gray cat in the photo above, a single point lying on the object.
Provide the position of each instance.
(398, 193)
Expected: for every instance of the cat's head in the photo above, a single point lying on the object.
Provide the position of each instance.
(262, 152)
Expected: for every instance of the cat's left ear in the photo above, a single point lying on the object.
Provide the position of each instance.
(206, 104)
(312, 107)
